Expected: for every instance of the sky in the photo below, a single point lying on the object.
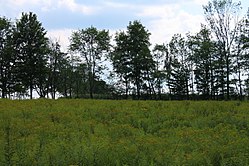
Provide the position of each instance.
(163, 18)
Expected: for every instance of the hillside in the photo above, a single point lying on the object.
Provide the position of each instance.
(105, 132)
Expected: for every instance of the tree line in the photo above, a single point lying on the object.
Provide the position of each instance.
(211, 64)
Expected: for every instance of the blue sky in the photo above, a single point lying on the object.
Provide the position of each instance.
(162, 18)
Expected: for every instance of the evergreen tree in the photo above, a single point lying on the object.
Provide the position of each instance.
(6, 57)
(121, 60)
(32, 49)
(180, 67)
(244, 40)
(161, 58)
(141, 58)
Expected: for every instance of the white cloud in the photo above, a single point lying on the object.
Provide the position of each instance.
(158, 11)
(164, 28)
(28, 3)
(47, 5)
(116, 5)
(62, 36)
(201, 2)
(167, 20)
(74, 7)
(162, 20)
(21, 2)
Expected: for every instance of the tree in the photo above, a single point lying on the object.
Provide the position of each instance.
(203, 58)
(64, 75)
(80, 80)
(244, 43)
(132, 60)
(179, 67)
(141, 58)
(161, 57)
(32, 49)
(239, 58)
(6, 56)
(121, 59)
(92, 45)
(222, 17)
(56, 59)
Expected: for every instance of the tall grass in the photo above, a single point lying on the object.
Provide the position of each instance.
(105, 132)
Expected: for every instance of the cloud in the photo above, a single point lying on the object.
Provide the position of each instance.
(116, 5)
(30, 3)
(162, 18)
(201, 2)
(167, 20)
(75, 7)
(62, 36)
(158, 11)
(22, 2)
(48, 5)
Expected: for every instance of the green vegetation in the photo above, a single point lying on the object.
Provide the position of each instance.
(105, 132)
(212, 64)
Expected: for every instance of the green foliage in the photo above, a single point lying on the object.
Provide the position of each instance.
(179, 67)
(8, 81)
(222, 18)
(102, 132)
(204, 59)
(92, 44)
(132, 59)
(31, 47)
(162, 59)
(212, 64)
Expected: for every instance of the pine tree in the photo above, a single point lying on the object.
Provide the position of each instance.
(179, 68)
(32, 49)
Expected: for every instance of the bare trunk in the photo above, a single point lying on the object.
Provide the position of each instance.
(227, 81)
(126, 89)
(91, 85)
(31, 90)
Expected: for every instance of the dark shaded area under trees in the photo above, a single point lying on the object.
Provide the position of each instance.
(212, 64)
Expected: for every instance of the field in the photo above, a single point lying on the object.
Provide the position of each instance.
(102, 132)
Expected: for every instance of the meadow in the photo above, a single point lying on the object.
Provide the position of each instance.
(105, 132)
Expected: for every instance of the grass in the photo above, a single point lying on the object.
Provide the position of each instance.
(106, 132)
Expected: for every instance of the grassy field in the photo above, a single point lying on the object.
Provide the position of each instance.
(102, 132)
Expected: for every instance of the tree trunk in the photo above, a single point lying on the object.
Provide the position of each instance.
(227, 81)
(240, 85)
(91, 93)
(138, 88)
(53, 93)
(65, 87)
(126, 89)
(159, 89)
(212, 80)
(187, 90)
(77, 89)
(31, 90)
(4, 91)
(91, 85)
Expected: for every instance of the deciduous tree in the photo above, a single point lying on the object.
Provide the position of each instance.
(92, 45)
(223, 19)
